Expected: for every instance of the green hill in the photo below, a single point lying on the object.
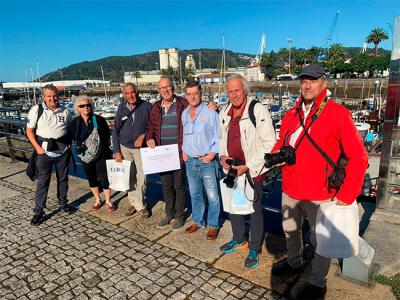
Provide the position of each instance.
(115, 66)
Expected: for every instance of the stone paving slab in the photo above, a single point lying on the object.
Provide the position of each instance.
(383, 234)
(338, 288)
(9, 168)
(6, 192)
(196, 244)
(117, 216)
(79, 256)
(148, 227)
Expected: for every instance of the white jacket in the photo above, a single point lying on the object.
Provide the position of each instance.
(255, 141)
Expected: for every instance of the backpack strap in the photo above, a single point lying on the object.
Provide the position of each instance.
(251, 111)
(39, 114)
(94, 119)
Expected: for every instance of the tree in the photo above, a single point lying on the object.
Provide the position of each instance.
(336, 54)
(137, 75)
(376, 36)
(268, 64)
(361, 63)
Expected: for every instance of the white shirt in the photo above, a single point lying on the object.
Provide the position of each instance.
(51, 124)
(295, 135)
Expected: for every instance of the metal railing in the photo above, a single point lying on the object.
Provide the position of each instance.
(12, 131)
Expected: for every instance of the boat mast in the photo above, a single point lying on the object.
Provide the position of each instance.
(222, 74)
(104, 84)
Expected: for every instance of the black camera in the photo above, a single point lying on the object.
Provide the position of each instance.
(81, 149)
(232, 173)
(286, 154)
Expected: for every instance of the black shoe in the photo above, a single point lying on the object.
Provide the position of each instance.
(66, 210)
(311, 292)
(130, 211)
(283, 268)
(37, 219)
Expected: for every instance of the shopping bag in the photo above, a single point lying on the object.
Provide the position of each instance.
(118, 174)
(337, 229)
(237, 200)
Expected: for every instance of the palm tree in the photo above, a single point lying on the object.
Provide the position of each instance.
(376, 36)
(336, 55)
(137, 75)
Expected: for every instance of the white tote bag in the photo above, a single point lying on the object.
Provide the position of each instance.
(118, 174)
(337, 229)
(237, 200)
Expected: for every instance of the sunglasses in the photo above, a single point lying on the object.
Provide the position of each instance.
(84, 105)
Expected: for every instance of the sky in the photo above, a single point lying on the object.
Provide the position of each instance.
(55, 34)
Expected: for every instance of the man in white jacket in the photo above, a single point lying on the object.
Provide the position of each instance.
(247, 133)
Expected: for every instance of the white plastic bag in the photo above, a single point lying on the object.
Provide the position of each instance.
(118, 174)
(235, 200)
(337, 229)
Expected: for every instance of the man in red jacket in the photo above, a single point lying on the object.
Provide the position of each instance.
(304, 183)
(165, 128)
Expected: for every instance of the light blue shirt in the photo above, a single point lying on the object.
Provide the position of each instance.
(200, 135)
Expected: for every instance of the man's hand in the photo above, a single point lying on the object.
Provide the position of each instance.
(208, 158)
(118, 157)
(151, 143)
(241, 169)
(139, 141)
(40, 150)
(338, 202)
(223, 161)
(184, 156)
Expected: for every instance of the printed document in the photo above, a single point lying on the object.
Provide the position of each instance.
(160, 159)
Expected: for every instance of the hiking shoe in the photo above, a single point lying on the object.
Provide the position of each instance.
(130, 211)
(283, 268)
(252, 259)
(311, 292)
(37, 219)
(144, 213)
(66, 210)
(233, 245)
(164, 222)
(178, 225)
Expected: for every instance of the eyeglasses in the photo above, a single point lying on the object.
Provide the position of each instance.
(84, 105)
(168, 87)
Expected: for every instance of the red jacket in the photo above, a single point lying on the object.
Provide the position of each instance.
(154, 126)
(307, 178)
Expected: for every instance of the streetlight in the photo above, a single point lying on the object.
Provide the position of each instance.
(334, 89)
(290, 40)
(280, 94)
(273, 90)
(376, 94)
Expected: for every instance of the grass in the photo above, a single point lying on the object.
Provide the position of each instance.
(393, 282)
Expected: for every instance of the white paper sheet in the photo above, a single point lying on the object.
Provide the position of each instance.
(160, 159)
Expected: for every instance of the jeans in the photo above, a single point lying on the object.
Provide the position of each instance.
(201, 175)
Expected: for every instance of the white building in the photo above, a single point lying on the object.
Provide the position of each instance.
(146, 77)
(189, 62)
(169, 58)
(253, 73)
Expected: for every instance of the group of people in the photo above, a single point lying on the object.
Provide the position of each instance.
(241, 132)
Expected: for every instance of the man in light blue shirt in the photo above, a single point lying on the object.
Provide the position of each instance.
(200, 147)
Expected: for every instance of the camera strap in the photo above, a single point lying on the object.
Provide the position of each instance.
(314, 117)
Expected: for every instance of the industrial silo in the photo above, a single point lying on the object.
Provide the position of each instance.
(164, 61)
(173, 58)
(189, 62)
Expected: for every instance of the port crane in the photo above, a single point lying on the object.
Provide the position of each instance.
(325, 52)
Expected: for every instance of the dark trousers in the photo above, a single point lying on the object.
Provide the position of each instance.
(174, 191)
(256, 222)
(44, 165)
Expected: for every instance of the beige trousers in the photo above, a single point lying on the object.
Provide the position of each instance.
(293, 212)
(137, 182)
